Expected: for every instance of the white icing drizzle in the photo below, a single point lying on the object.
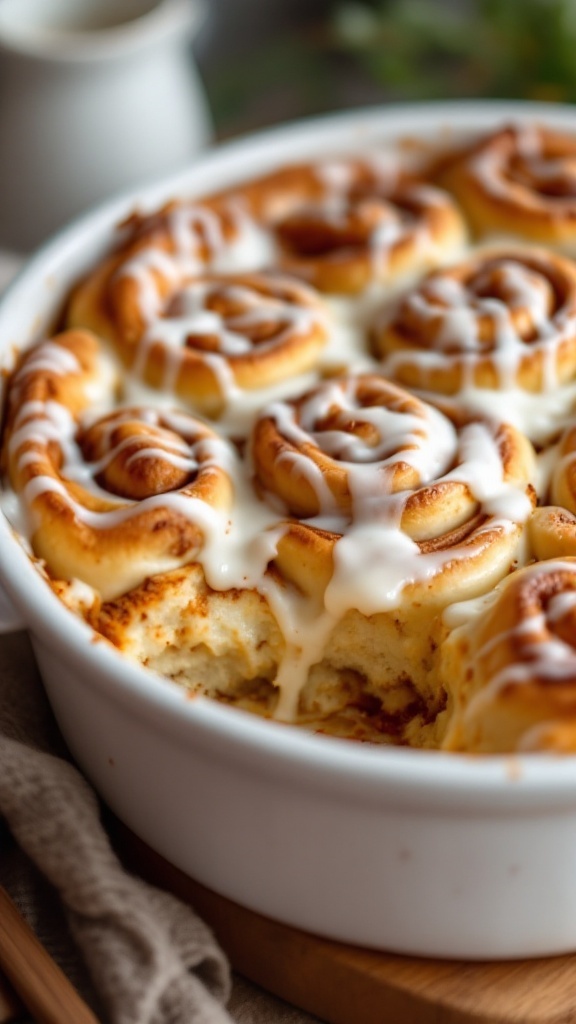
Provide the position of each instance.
(50, 358)
(400, 213)
(238, 416)
(306, 632)
(462, 612)
(562, 468)
(192, 228)
(375, 560)
(219, 321)
(426, 442)
(545, 656)
(491, 166)
(403, 224)
(460, 308)
(228, 335)
(199, 245)
(236, 549)
(540, 417)
(348, 321)
(560, 604)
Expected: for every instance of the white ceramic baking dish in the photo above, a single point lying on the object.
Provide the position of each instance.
(414, 852)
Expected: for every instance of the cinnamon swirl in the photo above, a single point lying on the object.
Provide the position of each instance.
(501, 319)
(519, 180)
(396, 511)
(349, 223)
(511, 668)
(207, 337)
(110, 498)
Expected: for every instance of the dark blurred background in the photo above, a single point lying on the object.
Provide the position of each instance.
(264, 61)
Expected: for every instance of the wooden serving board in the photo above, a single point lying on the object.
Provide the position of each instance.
(10, 1006)
(343, 984)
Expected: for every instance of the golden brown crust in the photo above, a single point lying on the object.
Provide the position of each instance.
(511, 670)
(505, 317)
(518, 181)
(378, 233)
(310, 476)
(252, 330)
(282, 464)
(441, 515)
(114, 534)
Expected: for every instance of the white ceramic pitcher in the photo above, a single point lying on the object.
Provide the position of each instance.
(95, 96)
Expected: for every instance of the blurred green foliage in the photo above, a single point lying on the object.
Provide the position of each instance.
(362, 51)
(421, 48)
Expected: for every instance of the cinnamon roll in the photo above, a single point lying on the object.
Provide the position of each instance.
(553, 526)
(519, 180)
(359, 446)
(501, 319)
(345, 224)
(395, 512)
(511, 667)
(205, 337)
(111, 498)
(157, 251)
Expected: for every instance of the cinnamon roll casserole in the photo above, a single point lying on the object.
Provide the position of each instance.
(307, 446)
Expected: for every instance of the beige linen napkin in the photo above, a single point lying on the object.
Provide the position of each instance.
(145, 957)
(151, 960)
